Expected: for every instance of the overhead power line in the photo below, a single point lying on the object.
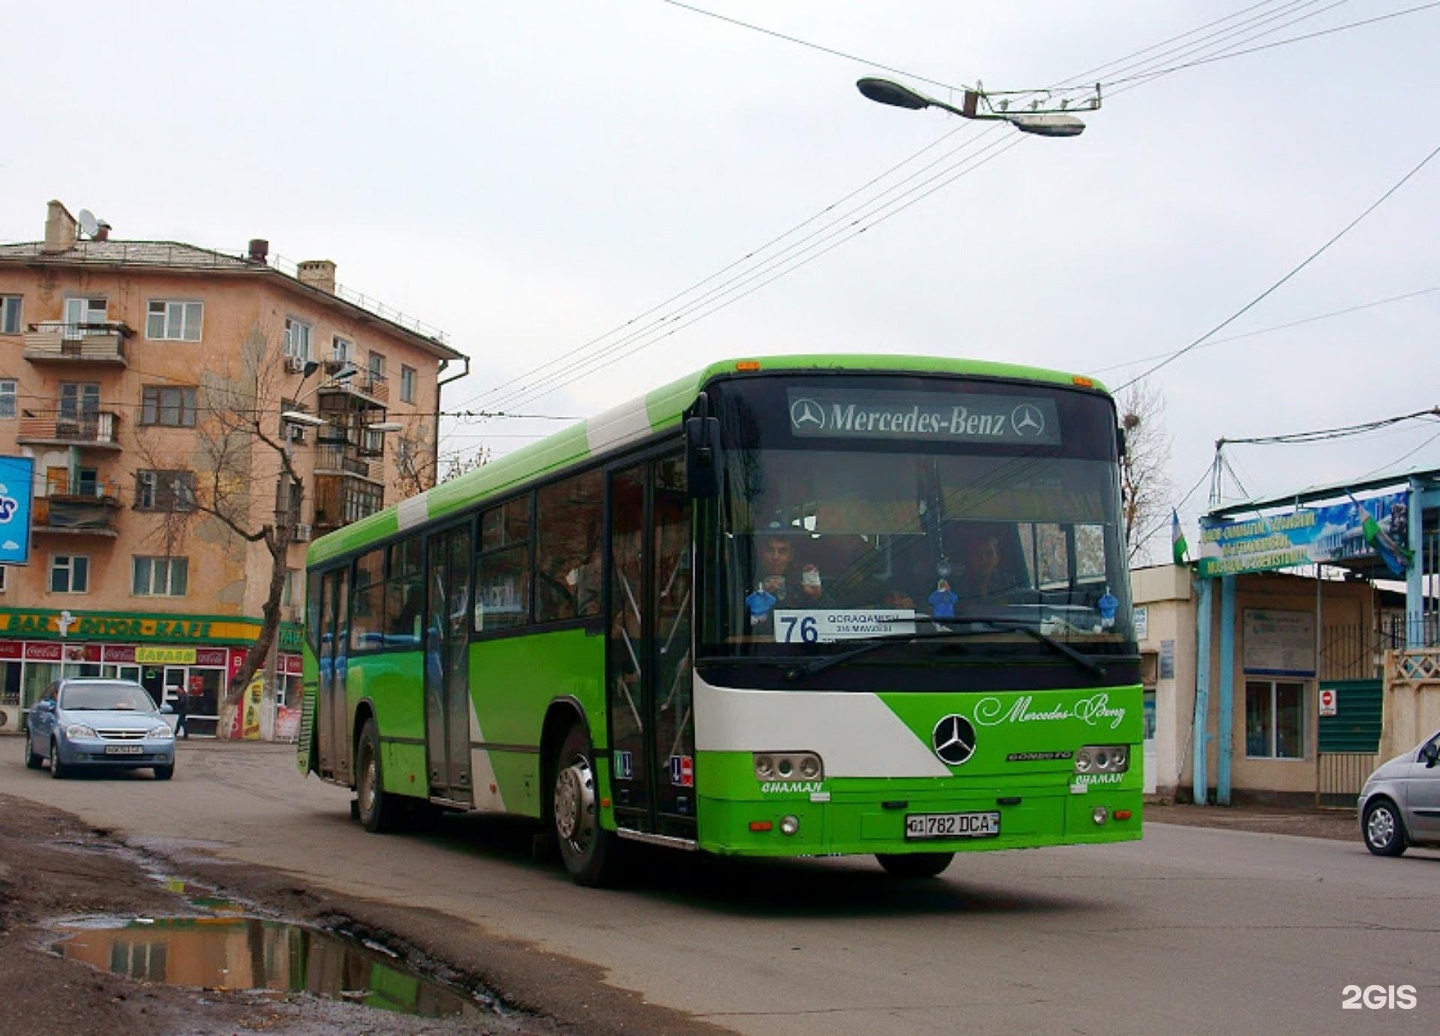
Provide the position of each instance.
(760, 267)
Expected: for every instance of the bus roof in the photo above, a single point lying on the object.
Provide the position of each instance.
(630, 422)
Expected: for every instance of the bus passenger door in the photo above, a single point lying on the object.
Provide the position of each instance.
(334, 645)
(447, 683)
(649, 676)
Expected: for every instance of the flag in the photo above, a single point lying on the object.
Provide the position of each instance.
(1177, 538)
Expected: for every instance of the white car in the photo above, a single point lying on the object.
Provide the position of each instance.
(94, 724)
(1400, 803)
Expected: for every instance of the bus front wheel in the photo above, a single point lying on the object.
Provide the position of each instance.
(376, 810)
(589, 852)
(914, 865)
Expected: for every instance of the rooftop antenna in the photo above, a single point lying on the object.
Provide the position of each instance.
(89, 225)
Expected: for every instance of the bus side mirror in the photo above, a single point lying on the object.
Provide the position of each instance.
(1120, 444)
(702, 456)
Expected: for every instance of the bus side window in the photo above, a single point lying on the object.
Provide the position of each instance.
(567, 522)
(502, 583)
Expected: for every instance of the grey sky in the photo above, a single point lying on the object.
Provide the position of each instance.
(528, 177)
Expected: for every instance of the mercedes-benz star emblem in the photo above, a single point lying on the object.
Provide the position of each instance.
(1027, 420)
(954, 740)
(806, 413)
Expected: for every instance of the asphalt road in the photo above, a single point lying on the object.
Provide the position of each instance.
(1192, 929)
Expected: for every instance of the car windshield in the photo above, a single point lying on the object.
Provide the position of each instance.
(94, 697)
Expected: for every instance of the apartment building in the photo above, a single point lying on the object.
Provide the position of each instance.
(151, 380)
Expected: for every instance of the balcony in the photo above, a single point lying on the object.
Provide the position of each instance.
(78, 345)
(87, 511)
(365, 384)
(342, 460)
(86, 429)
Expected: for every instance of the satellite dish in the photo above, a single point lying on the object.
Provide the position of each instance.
(88, 223)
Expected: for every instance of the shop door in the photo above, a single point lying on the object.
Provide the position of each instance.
(648, 668)
(447, 684)
(334, 714)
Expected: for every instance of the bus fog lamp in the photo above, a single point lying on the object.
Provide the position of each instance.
(785, 766)
(1099, 814)
(789, 825)
(1102, 759)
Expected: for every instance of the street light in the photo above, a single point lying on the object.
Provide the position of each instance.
(1042, 124)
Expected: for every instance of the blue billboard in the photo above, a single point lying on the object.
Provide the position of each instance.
(17, 487)
(1374, 527)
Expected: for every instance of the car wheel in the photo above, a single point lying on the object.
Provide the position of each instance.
(1383, 830)
(57, 768)
(378, 811)
(32, 760)
(164, 773)
(589, 852)
(914, 865)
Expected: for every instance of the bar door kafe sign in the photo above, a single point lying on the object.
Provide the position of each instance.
(17, 488)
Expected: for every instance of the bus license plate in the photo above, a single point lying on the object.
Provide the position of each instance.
(124, 749)
(951, 825)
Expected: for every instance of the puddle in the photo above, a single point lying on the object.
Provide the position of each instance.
(229, 952)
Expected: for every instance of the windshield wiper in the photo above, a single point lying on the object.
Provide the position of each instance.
(979, 624)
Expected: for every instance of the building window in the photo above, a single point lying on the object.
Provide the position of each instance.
(174, 320)
(407, 384)
(297, 339)
(160, 490)
(69, 574)
(79, 399)
(84, 317)
(160, 577)
(168, 405)
(1274, 719)
(377, 367)
(7, 397)
(341, 349)
(10, 314)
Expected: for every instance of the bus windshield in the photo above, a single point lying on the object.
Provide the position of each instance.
(826, 541)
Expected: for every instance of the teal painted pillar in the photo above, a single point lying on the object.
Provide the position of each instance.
(1227, 691)
(1415, 574)
(1202, 693)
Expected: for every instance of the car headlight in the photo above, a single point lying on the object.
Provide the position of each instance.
(75, 730)
(161, 731)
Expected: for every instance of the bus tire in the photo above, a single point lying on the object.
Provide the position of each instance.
(378, 810)
(914, 865)
(588, 851)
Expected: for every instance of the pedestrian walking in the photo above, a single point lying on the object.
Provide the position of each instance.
(182, 709)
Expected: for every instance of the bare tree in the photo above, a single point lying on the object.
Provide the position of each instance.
(238, 454)
(1145, 487)
(414, 458)
(458, 466)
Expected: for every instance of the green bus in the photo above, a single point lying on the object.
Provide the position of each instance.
(786, 606)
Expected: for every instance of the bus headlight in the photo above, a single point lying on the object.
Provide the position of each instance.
(788, 766)
(1103, 759)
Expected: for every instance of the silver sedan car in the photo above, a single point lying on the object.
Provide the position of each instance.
(95, 724)
(1400, 803)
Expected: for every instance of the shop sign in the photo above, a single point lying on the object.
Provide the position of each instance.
(42, 652)
(289, 637)
(119, 653)
(120, 626)
(294, 665)
(165, 656)
(210, 657)
(11, 649)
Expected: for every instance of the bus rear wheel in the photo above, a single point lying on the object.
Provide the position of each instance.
(914, 865)
(376, 810)
(588, 851)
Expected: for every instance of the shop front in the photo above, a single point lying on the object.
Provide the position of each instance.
(169, 655)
